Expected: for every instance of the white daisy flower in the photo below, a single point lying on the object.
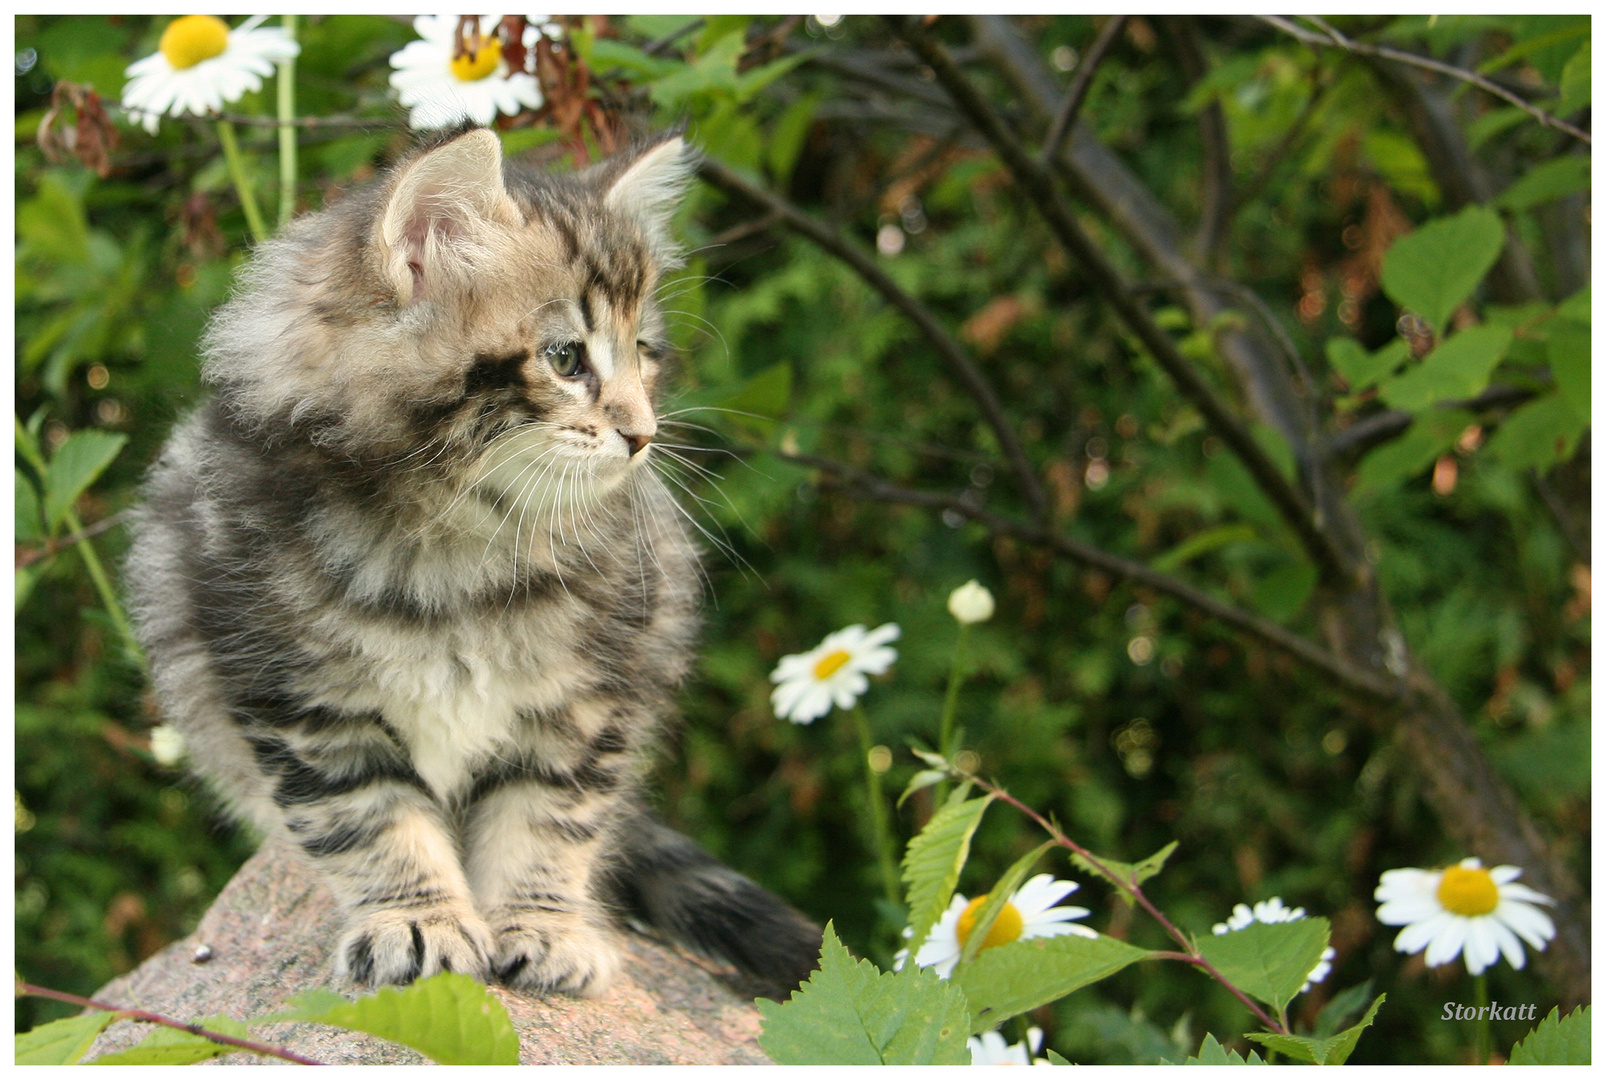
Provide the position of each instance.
(201, 65)
(1273, 911)
(1029, 913)
(991, 1049)
(971, 603)
(167, 745)
(442, 88)
(1464, 908)
(832, 672)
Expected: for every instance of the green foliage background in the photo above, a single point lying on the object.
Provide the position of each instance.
(1130, 718)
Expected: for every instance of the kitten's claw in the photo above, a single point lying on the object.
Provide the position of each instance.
(575, 959)
(403, 945)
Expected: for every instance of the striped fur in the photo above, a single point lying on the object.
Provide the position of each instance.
(412, 590)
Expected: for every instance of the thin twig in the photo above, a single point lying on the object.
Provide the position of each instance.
(1038, 184)
(155, 1018)
(1344, 674)
(1077, 94)
(1332, 38)
(1216, 196)
(29, 556)
(952, 353)
(1190, 954)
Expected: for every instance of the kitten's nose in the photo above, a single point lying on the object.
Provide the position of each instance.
(637, 442)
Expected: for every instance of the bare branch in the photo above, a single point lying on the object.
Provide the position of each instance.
(1342, 673)
(1217, 201)
(1039, 186)
(1083, 82)
(1332, 38)
(952, 353)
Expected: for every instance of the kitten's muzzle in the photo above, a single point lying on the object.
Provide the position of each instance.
(637, 443)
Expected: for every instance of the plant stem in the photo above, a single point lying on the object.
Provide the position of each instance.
(242, 184)
(287, 131)
(154, 1018)
(1481, 1041)
(878, 810)
(950, 705)
(1189, 954)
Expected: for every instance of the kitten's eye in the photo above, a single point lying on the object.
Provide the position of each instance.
(567, 359)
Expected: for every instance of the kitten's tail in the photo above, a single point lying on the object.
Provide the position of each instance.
(678, 888)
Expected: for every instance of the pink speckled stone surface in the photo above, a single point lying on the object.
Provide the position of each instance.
(271, 931)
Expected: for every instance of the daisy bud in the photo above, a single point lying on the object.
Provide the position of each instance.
(971, 603)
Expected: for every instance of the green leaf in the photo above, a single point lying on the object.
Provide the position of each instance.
(1008, 980)
(449, 1018)
(611, 53)
(1557, 1040)
(1268, 961)
(1538, 434)
(1333, 1051)
(1362, 369)
(1130, 874)
(787, 136)
(1213, 1053)
(1492, 123)
(1055, 1058)
(1576, 306)
(1433, 432)
(923, 779)
(1457, 369)
(997, 897)
(30, 521)
(1433, 270)
(932, 862)
(170, 1046)
(852, 1013)
(1575, 82)
(61, 1042)
(1567, 347)
(74, 466)
(1201, 542)
(1337, 1013)
(1281, 593)
(1547, 181)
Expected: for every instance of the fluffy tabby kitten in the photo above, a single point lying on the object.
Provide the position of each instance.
(409, 589)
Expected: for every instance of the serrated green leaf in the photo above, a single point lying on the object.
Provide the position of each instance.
(1130, 874)
(852, 1013)
(170, 1046)
(1433, 432)
(1567, 347)
(60, 1042)
(1545, 182)
(1538, 434)
(449, 1018)
(1558, 1040)
(932, 862)
(1337, 1013)
(1007, 980)
(1333, 1051)
(1457, 369)
(1213, 1053)
(1362, 369)
(1268, 961)
(1433, 270)
(74, 466)
(999, 895)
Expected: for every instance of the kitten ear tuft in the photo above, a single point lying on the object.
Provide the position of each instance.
(441, 212)
(649, 188)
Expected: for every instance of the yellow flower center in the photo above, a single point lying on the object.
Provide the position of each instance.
(474, 66)
(1006, 928)
(193, 38)
(830, 664)
(1468, 892)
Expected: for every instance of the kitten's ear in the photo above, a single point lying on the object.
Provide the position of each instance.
(441, 214)
(648, 190)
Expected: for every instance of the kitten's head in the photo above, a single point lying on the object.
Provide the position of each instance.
(484, 320)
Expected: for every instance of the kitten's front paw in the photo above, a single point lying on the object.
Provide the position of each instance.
(398, 946)
(574, 958)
